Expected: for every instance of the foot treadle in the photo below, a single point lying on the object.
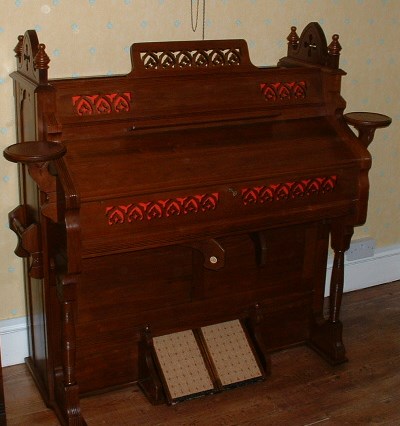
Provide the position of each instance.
(197, 362)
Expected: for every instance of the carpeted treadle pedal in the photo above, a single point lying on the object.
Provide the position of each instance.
(196, 362)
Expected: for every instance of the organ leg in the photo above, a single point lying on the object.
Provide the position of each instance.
(326, 333)
(67, 406)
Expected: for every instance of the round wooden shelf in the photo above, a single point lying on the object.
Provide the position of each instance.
(366, 123)
(34, 152)
(367, 119)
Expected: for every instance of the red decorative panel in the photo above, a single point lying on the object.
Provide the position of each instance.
(280, 91)
(288, 190)
(102, 104)
(162, 208)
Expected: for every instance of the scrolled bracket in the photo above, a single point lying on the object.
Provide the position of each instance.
(260, 246)
(29, 242)
(212, 251)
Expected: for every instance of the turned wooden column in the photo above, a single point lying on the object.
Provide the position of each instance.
(326, 332)
(340, 243)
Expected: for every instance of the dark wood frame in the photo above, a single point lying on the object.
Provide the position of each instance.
(90, 291)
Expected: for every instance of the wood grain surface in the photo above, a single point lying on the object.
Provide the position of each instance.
(306, 391)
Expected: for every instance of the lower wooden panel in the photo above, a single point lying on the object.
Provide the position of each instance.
(169, 290)
(364, 391)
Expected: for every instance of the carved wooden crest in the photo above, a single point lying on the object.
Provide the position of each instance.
(312, 47)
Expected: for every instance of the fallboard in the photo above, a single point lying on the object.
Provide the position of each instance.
(144, 162)
(119, 105)
(168, 187)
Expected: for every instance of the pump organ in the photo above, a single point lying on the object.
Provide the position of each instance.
(183, 194)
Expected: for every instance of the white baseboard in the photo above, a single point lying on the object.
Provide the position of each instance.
(382, 268)
(14, 341)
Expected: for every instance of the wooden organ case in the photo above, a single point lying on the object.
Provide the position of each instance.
(197, 189)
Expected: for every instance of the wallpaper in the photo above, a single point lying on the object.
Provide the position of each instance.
(92, 37)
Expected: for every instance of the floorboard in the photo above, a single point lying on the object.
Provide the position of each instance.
(302, 390)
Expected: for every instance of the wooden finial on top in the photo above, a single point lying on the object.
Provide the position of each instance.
(293, 38)
(334, 48)
(41, 60)
(19, 47)
(333, 52)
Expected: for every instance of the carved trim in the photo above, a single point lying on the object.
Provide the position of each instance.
(288, 190)
(29, 240)
(281, 91)
(46, 182)
(102, 104)
(183, 59)
(311, 47)
(32, 60)
(162, 208)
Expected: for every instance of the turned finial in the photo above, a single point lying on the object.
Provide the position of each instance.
(334, 48)
(19, 47)
(293, 38)
(41, 60)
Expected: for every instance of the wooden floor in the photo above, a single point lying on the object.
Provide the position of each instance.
(303, 389)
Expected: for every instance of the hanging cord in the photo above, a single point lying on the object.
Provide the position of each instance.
(195, 20)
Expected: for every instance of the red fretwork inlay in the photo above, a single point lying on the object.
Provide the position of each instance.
(162, 208)
(102, 104)
(288, 190)
(280, 91)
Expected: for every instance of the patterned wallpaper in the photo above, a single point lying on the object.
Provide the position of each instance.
(92, 37)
